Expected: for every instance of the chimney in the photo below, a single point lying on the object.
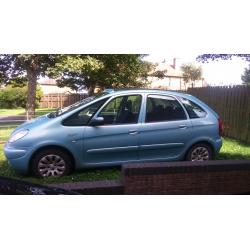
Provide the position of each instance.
(174, 63)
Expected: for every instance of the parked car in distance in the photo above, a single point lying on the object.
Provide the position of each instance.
(115, 127)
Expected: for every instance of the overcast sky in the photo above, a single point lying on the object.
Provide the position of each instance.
(215, 72)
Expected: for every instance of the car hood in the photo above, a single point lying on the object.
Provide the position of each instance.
(32, 123)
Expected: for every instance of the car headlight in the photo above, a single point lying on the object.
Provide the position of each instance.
(18, 135)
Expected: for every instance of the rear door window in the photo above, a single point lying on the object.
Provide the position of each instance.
(163, 108)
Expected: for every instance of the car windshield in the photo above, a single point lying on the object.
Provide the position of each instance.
(67, 109)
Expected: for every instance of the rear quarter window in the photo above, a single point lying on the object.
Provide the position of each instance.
(193, 109)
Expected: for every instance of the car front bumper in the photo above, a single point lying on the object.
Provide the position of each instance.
(18, 157)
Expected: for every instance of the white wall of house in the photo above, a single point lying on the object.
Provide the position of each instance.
(171, 83)
(174, 83)
(174, 77)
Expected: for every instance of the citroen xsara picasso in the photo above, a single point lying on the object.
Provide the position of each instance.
(113, 128)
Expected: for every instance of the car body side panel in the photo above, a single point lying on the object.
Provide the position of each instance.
(164, 140)
(207, 130)
(107, 144)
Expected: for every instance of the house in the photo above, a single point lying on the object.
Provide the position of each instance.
(173, 77)
(49, 86)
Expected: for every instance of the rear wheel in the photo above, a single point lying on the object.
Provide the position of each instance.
(51, 162)
(200, 152)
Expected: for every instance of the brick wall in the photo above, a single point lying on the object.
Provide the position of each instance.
(213, 177)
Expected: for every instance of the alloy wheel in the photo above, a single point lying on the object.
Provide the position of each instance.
(51, 165)
(200, 154)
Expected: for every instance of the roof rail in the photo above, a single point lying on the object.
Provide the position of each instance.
(134, 88)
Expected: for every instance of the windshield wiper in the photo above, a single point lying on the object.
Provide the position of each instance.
(53, 114)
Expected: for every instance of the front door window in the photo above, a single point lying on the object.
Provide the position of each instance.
(122, 110)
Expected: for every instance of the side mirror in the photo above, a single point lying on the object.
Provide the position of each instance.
(97, 121)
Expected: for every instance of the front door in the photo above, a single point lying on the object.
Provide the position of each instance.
(115, 141)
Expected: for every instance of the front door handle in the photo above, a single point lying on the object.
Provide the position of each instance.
(133, 132)
(183, 126)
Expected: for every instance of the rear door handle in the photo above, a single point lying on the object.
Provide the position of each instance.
(183, 126)
(133, 132)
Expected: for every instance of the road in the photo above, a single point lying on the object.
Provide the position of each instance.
(12, 118)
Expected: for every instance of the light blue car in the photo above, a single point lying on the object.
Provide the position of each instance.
(116, 127)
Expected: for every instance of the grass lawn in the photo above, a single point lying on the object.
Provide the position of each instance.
(18, 111)
(5, 131)
(43, 111)
(232, 149)
(21, 111)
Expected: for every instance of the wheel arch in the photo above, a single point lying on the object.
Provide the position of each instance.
(206, 142)
(53, 147)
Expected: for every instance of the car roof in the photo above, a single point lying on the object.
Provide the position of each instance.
(149, 91)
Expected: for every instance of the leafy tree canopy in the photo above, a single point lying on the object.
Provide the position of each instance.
(88, 71)
(191, 73)
(17, 68)
(215, 57)
(246, 76)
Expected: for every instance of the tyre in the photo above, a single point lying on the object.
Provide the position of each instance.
(51, 162)
(200, 152)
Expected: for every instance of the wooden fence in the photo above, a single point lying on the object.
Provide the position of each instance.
(60, 100)
(233, 106)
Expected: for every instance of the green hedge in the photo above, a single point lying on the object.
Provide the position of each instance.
(16, 97)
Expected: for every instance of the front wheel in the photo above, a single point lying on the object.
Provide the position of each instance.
(200, 152)
(51, 162)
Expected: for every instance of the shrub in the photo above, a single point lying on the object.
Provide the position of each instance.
(16, 97)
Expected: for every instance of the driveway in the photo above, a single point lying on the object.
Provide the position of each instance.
(12, 118)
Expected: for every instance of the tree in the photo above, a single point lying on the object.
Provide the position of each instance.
(208, 57)
(215, 57)
(15, 96)
(160, 74)
(20, 68)
(74, 71)
(191, 73)
(89, 71)
(246, 76)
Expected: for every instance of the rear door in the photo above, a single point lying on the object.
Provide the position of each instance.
(166, 129)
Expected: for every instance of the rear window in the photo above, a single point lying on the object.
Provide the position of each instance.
(193, 109)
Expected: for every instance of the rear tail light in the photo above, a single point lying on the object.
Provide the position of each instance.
(221, 127)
